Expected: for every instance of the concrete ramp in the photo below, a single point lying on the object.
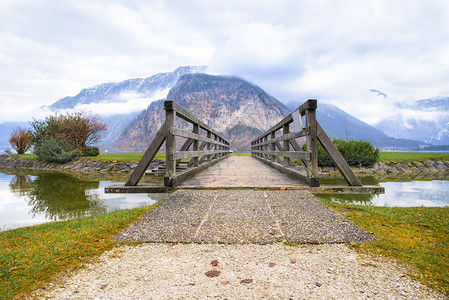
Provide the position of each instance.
(243, 216)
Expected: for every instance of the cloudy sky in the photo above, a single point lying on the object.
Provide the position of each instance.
(362, 56)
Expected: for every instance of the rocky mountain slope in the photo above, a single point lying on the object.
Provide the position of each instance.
(230, 105)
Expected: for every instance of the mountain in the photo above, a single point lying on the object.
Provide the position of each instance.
(120, 92)
(133, 90)
(237, 108)
(339, 124)
(230, 105)
(426, 120)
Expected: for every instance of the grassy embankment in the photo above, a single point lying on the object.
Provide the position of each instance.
(384, 156)
(31, 256)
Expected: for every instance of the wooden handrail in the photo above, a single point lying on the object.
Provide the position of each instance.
(264, 146)
(217, 147)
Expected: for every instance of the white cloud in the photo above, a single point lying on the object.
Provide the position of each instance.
(333, 51)
(128, 103)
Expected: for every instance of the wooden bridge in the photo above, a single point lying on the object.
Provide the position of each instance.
(199, 158)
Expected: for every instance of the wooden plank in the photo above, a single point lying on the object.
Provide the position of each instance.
(170, 161)
(310, 113)
(194, 136)
(187, 116)
(273, 147)
(290, 154)
(286, 130)
(183, 175)
(196, 130)
(288, 136)
(290, 172)
(190, 154)
(336, 157)
(287, 120)
(185, 147)
(310, 104)
(147, 157)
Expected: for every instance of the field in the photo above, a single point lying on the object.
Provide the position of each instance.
(384, 156)
(412, 156)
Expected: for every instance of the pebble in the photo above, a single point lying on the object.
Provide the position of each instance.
(178, 273)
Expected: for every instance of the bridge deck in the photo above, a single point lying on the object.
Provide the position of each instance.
(244, 172)
(243, 216)
(240, 171)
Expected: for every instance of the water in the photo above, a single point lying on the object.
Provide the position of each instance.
(29, 198)
(37, 197)
(420, 190)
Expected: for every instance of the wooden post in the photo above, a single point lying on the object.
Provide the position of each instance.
(285, 130)
(195, 160)
(273, 147)
(336, 157)
(209, 145)
(170, 163)
(310, 112)
(147, 157)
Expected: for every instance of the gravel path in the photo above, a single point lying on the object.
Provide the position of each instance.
(237, 254)
(249, 271)
(243, 216)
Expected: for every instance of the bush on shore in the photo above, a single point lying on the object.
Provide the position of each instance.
(63, 138)
(356, 153)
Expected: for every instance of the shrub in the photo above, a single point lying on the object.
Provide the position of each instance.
(356, 153)
(21, 140)
(66, 137)
(51, 151)
(91, 151)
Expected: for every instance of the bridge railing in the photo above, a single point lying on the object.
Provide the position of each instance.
(202, 147)
(278, 145)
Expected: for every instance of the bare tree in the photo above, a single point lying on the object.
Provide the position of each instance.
(21, 140)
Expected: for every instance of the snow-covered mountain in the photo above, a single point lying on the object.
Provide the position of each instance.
(132, 111)
(426, 120)
(144, 88)
(119, 103)
(339, 124)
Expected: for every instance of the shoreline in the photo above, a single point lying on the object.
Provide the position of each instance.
(91, 164)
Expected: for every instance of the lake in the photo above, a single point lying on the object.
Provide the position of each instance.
(400, 190)
(29, 198)
(33, 197)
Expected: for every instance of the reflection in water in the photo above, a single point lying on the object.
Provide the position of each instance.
(406, 194)
(21, 184)
(60, 196)
(37, 197)
(361, 199)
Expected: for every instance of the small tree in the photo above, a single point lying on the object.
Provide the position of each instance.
(21, 140)
(65, 137)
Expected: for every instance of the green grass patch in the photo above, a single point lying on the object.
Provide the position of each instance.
(412, 156)
(240, 154)
(31, 256)
(418, 236)
(26, 156)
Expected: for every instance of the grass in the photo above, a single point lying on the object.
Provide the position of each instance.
(384, 156)
(32, 256)
(417, 236)
(412, 156)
